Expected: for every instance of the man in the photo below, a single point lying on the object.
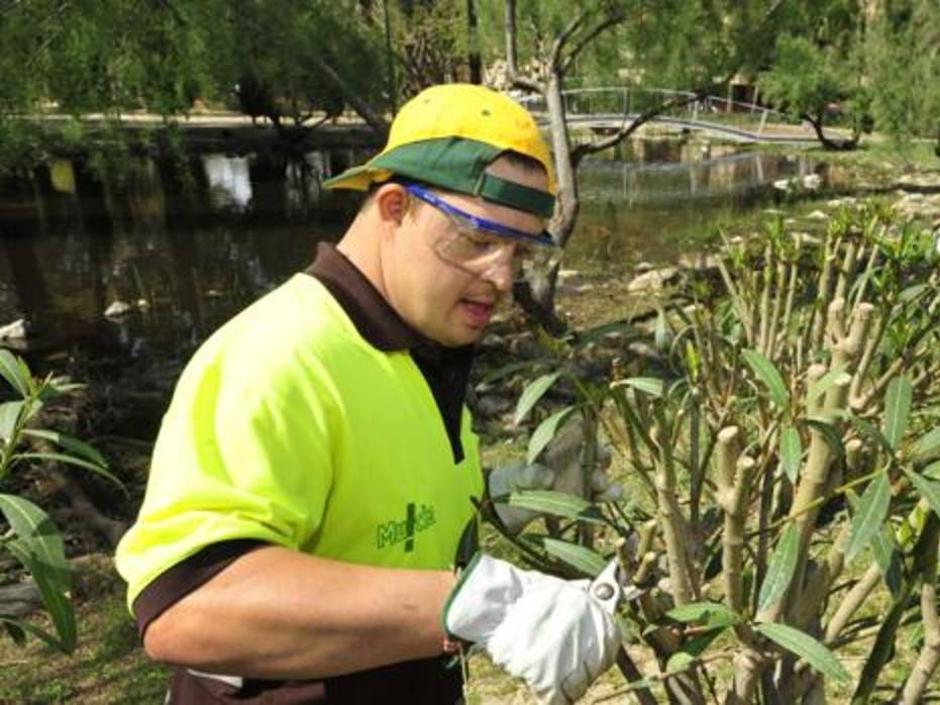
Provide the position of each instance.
(311, 486)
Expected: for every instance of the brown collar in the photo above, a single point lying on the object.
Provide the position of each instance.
(372, 315)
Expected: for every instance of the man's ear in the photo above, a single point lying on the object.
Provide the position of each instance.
(391, 201)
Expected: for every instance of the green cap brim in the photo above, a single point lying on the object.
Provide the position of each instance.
(455, 164)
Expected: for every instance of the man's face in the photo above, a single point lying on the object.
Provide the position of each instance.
(436, 295)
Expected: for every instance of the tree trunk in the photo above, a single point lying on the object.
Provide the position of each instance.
(363, 109)
(838, 145)
(536, 296)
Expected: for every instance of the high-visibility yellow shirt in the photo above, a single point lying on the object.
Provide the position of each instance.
(288, 427)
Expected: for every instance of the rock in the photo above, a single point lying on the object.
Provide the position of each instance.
(654, 280)
(784, 185)
(789, 222)
(772, 211)
(643, 267)
(491, 406)
(812, 182)
(117, 309)
(18, 330)
(699, 262)
(818, 215)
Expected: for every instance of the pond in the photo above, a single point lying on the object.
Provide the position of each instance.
(182, 249)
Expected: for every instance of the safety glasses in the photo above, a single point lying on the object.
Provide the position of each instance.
(476, 244)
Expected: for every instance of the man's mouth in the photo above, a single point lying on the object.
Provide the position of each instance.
(477, 313)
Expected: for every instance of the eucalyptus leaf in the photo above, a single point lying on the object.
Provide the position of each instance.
(829, 432)
(546, 431)
(531, 395)
(53, 590)
(691, 650)
(898, 400)
(712, 613)
(768, 374)
(780, 569)
(807, 648)
(12, 371)
(582, 559)
(648, 385)
(72, 445)
(557, 504)
(791, 452)
(885, 550)
(872, 433)
(9, 415)
(928, 489)
(32, 525)
(72, 460)
(927, 446)
(822, 385)
(870, 514)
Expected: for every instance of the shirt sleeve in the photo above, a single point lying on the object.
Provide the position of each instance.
(243, 453)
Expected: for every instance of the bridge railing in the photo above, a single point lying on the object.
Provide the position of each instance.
(610, 102)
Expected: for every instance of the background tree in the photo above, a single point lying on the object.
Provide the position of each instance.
(694, 46)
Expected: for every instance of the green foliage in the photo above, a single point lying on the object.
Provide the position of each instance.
(774, 396)
(32, 538)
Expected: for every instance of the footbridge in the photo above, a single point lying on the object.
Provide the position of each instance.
(607, 109)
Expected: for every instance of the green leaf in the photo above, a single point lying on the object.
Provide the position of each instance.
(531, 395)
(927, 446)
(872, 433)
(11, 624)
(9, 415)
(692, 650)
(583, 559)
(791, 452)
(72, 460)
(807, 648)
(766, 372)
(829, 432)
(53, 590)
(780, 569)
(885, 550)
(897, 410)
(545, 432)
(556, 503)
(928, 489)
(648, 385)
(12, 370)
(911, 293)
(712, 613)
(821, 386)
(31, 524)
(870, 514)
(73, 445)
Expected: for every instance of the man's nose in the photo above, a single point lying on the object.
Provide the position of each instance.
(502, 272)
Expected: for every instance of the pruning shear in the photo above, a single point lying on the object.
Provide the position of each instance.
(611, 586)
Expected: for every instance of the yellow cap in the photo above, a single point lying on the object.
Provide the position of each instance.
(447, 135)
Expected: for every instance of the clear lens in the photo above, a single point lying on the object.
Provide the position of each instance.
(479, 251)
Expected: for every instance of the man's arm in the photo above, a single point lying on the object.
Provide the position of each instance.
(277, 613)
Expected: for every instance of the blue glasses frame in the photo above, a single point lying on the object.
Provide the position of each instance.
(488, 226)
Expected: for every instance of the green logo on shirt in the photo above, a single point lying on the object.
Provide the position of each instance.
(395, 532)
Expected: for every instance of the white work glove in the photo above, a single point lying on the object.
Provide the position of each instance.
(546, 630)
(521, 476)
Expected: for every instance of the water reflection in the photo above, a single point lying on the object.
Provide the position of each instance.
(183, 251)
